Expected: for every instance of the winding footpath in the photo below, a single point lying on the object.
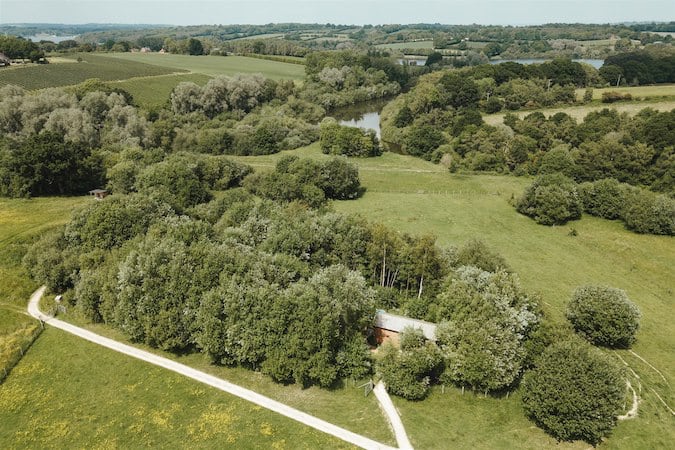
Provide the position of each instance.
(218, 383)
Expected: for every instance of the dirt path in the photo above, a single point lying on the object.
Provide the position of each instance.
(392, 414)
(254, 397)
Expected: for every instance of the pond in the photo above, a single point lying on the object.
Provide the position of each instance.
(363, 115)
(597, 63)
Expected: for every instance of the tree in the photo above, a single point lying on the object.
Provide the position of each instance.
(195, 47)
(422, 140)
(551, 200)
(575, 392)
(604, 315)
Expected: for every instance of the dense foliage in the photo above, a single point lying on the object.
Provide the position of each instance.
(551, 200)
(307, 180)
(604, 315)
(337, 139)
(575, 392)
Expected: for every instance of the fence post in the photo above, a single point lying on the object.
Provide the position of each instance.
(21, 350)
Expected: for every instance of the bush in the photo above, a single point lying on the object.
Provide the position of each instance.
(551, 200)
(348, 141)
(603, 198)
(646, 212)
(604, 315)
(408, 373)
(575, 392)
(613, 96)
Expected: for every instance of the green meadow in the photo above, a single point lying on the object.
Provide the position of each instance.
(414, 196)
(411, 45)
(105, 68)
(155, 92)
(579, 112)
(216, 65)
(70, 393)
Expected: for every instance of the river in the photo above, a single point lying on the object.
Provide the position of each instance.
(364, 115)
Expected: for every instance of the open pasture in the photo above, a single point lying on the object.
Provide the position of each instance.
(217, 65)
(40, 76)
(411, 44)
(70, 393)
(154, 92)
(579, 112)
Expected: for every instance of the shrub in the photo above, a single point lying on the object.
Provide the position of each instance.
(646, 212)
(613, 96)
(408, 373)
(604, 315)
(575, 392)
(348, 141)
(551, 200)
(603, 198)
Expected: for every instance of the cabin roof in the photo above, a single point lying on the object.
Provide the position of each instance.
(98, 191)
(393, 322)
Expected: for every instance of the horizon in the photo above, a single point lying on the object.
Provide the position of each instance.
(347, 12)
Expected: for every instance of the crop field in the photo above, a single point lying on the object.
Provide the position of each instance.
(652, 93)
(579, 112)
(70, 393)
(412, 44)
(154, 92)
(40, 76)
(415, 196)
(217, 65)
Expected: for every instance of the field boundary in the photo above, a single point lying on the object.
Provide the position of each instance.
(15, 347)
(218, 383)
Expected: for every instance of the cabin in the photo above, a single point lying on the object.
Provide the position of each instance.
(4, 61)
(389, 326)
(99, 194)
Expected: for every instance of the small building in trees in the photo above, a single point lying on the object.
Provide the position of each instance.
(99, 194)
(4, 60)
(389, 326)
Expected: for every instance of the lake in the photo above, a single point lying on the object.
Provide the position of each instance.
(364, 115)
(597, 63)
(50, 37)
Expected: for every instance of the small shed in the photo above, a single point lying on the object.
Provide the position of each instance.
(389, 326)
(99, 194)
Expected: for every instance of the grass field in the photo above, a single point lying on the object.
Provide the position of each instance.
(69, 393)
(661, 91)
(153, 92)
(20, 220)
(412, 44)
(414, 196)
(217, 65)
(579, 112)
(36, 76)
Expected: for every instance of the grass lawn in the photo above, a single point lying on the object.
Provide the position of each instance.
(69, 393)
(217, 65)
(579, 112)
(154, 92)
(39, 76)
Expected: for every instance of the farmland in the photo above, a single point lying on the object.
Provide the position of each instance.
(411, 45)
(216, 65)
(92, 66)
(579, 112)
(154, 92)
(653, 93)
